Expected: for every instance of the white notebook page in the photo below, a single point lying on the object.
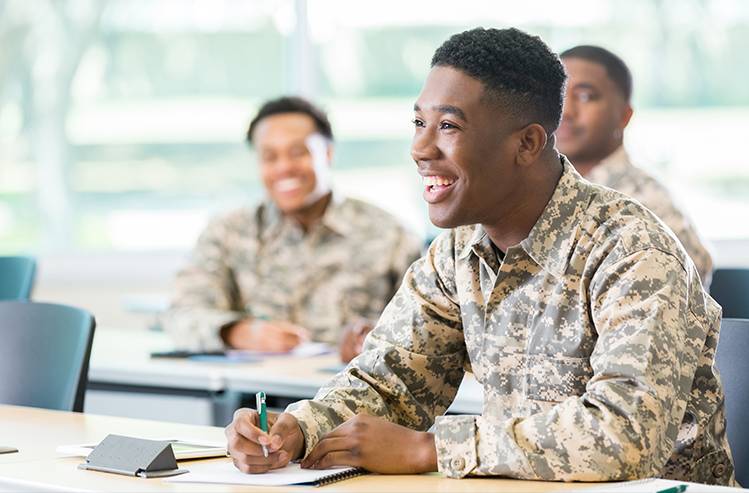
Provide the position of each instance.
(226, 473)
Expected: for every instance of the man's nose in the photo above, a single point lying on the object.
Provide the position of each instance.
(424, 147)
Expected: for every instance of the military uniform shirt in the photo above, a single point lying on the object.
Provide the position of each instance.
(258, 263)
(618, 172)
(593, 341)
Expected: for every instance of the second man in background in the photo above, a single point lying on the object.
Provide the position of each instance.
(597, 109)
(303, 264)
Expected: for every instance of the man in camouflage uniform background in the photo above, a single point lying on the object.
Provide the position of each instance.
(597, 109)
(303, 264)
(580, 314)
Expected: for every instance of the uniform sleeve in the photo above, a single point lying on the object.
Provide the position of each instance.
(412, 363)
(206, 295)
(692, 242)
(625, 424)
(658, 199)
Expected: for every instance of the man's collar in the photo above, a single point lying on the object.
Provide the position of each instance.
(478, 243)
(552, 238)
(333, 218)
(615, 163)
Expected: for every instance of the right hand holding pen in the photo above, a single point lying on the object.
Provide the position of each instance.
(285, 441)
(274, 336)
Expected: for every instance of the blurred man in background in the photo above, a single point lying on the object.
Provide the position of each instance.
(597, 109)
(303, 264)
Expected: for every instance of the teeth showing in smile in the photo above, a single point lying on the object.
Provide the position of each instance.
(287, 184)
(434, 180)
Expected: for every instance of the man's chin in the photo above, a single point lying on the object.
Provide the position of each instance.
(442, 219)
(290, 207)
(570, 149)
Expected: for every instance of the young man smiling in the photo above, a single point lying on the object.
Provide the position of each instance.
(305, 263)
(581, 316)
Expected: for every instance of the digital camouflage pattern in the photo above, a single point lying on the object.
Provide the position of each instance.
(257, 263)
(618, 172)
(593, 340)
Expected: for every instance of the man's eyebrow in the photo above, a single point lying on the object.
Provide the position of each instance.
(584, 85)
(446, 108)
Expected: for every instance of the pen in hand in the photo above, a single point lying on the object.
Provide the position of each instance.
(263, 416)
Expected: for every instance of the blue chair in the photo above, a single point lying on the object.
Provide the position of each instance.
(733, 364)
(44, 354)
(16, 277)
(730, 288)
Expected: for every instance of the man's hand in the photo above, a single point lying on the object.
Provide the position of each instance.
(352, 339)
(377, 445)
(285, 441)
(265, 335)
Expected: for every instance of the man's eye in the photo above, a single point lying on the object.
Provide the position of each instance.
(417, 122)
(297, 152)
(447, 126)
(585, 97)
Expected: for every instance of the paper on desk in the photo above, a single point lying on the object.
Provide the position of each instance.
(226, 473)
(651, 485)
(308, 349)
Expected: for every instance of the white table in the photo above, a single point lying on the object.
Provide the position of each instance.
(122, 373)
(38, 432)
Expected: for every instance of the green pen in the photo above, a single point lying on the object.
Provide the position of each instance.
(679, 488)
(260, 407)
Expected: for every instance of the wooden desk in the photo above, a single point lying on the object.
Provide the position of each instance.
(38, 432)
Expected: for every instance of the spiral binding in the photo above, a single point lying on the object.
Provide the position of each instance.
(339, 476)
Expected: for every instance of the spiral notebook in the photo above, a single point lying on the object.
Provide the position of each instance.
(225, 473)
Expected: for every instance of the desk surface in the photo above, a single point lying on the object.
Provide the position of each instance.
(36, 433)
(122, 357)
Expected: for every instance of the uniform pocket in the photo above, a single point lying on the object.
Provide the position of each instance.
(713, 468)
(555, 378)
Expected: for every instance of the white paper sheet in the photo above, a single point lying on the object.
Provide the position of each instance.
(226, 473)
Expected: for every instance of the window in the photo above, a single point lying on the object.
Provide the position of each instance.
(122, 122)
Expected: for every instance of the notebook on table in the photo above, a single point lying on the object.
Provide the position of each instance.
(653, 485)
(293, 474)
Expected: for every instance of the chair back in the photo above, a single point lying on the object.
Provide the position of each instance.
(44, 354)
(733, 364)
(730, 288)
(16, 277)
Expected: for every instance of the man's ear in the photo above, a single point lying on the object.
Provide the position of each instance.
(329, 153)
(532, 140)
(626, 116)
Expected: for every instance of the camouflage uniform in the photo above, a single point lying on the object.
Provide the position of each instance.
(593, 341)
(618, 172)
(255, 262)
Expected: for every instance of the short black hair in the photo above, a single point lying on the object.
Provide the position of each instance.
(517, 69)
(292, 104)
(615, 66)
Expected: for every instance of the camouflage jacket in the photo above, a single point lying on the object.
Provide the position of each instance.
(593, 341)
(255, 262)
(618, 172)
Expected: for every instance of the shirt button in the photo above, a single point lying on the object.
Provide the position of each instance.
(458, 463)
(719, 470)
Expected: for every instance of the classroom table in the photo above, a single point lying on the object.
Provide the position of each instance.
(37, 433)
(121, 365)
